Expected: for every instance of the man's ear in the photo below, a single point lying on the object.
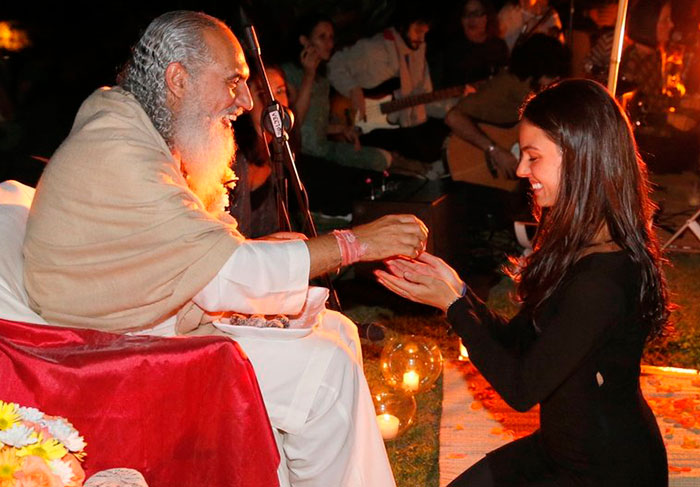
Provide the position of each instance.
(176, 77)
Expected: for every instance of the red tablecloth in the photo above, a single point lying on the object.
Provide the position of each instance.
(182, 411)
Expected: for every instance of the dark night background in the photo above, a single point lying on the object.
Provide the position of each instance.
(79, 46)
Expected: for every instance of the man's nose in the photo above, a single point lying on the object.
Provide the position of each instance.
(244, 99)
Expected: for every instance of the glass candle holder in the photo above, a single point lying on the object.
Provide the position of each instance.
(411, 363)
(395, 411)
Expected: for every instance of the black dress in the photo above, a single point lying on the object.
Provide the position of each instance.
(579, 358)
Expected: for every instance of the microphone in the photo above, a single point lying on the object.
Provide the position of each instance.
(374, 332)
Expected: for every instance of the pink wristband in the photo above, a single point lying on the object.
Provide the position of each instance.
(351, 249)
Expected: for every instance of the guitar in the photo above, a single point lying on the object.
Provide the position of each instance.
(468, 163)
(377, 109)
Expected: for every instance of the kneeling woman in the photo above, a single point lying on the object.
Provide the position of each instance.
(592, 294)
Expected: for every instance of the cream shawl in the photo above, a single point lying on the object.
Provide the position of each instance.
(115, 239)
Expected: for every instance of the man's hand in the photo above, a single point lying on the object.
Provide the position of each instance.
(357, 100)
(392, 235)
(389, 236)
(505, 162)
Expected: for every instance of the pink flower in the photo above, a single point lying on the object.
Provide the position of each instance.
(36, 473)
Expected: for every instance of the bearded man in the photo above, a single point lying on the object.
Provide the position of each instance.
(127, 234)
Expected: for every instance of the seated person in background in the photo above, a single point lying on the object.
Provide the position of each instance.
(594, 29)
(666, 118)
(396, 56)
(534, 64)
(127, 233)
(472, 54)
(335, 173)
(642, 67)
(518, 19)
(253, 201)
(309, 94)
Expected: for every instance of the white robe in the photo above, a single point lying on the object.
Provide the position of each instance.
(310, 374)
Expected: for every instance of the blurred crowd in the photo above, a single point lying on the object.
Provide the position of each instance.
(423, 97)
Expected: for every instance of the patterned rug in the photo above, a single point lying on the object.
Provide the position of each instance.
(475, 419)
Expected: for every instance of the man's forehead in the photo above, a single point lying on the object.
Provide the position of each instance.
(227, 53)
(241, 66)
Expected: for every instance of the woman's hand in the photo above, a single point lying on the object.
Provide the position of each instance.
(421, 288)
(309, 60)
(429, 265)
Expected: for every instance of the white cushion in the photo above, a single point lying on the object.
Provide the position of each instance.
(15, 200)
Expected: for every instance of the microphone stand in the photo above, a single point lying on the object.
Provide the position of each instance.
(276, 121)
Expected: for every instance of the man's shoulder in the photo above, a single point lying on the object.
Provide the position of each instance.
(112, 106)
(503, 83)
(111, 132)
(378, 41)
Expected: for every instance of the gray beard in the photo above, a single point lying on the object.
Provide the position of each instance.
(207, 147)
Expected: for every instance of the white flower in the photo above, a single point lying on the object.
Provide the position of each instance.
(59, 428)
(74, 442)
(64, 432)
(62, 470)
(30, 414)
(18, 436)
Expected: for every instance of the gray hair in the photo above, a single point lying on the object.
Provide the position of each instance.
(172, 37)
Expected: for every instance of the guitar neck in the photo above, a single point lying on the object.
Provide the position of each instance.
(422, 99)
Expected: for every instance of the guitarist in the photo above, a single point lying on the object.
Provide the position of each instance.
(534, 64)
(398, 54)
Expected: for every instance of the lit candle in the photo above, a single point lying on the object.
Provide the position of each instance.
(411, 380)
(463, 354)
(388, 425)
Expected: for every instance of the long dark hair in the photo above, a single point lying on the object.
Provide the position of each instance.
(603, 181)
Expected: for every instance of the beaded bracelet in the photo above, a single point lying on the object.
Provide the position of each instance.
(351, 249)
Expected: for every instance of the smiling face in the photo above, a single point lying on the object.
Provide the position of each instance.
(213, 96)
(540, 163)
(220, 87)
